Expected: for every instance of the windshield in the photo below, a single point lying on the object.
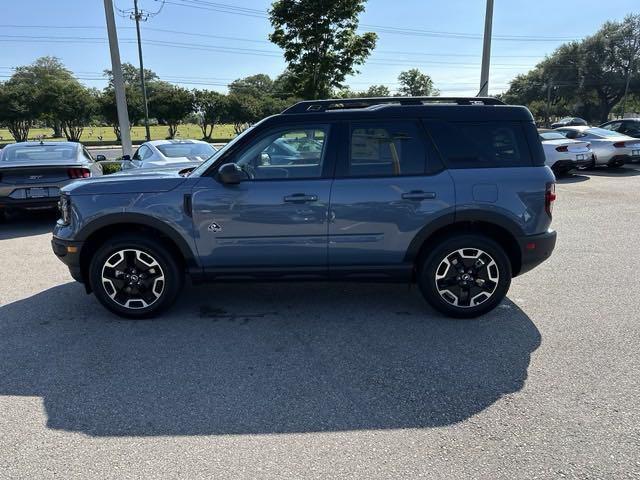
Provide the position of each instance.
(551, 136)
(207, 163)
(35, 153)
(174, 150)
(601, 132)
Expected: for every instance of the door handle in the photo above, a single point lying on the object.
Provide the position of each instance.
(419, 195)
(300, 198)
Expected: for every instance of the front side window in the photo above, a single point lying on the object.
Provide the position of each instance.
(481, 145)
(386, 149)
(291, 153)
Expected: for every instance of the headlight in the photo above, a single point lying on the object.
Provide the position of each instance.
(64, 205)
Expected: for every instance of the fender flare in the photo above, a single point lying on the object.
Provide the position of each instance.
(141, 219)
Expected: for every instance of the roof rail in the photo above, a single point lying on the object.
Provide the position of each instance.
(312, 106)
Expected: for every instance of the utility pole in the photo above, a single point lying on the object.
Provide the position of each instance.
(486, 51)
(118, 80)
(137, 15)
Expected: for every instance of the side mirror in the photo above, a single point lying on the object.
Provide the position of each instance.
(231, 174)
(100, 158)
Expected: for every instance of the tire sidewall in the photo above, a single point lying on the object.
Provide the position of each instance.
(427, 272)
(173, 275)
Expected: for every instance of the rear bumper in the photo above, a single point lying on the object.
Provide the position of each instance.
(535, 249)
(619, 160)
(29, 203)
(69, 254)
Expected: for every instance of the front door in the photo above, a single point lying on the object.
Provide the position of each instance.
(277, 218)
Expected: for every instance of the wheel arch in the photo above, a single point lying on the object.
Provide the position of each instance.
(97, 232)
(501, 232)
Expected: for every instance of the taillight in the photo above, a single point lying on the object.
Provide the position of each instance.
(619, 144)
(562, 148)
(549, 198)
(79, 173)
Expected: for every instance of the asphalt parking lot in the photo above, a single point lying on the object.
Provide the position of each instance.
(333, 381)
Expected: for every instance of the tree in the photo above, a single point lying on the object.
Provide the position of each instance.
(586, 78)
(209, 108)
(131, 75)
(77, 104)
(241, 110)
(320, 43)
(44, 76)
(376, 91)
(254, 85)
(414, 83)
(108, 110)
(17, 108)
(170, 105)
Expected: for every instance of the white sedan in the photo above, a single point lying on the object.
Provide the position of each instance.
(562, 154)
(170, 154)
(610, 148)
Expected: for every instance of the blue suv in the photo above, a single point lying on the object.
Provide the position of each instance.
(450, 193)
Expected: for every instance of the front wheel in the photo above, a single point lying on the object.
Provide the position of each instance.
(135, 276)
(465, 275)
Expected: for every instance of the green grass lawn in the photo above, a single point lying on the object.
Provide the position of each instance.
(105, 134)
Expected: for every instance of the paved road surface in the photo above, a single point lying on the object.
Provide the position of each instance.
(333, 381)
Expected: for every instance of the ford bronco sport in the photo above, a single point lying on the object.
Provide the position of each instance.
(450, 193)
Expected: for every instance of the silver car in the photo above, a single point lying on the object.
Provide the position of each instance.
(32, 173)
(609, 148)
(170, 154)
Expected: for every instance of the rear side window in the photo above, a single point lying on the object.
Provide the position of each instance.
(385, 149)
(481, 145)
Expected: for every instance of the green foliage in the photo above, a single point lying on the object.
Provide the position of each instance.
(74, 108)
(170, 105)
(241, 111)
(17, 108)
(131, 75)
(209, 108)
(320, 43)
(254, 85)
(414, 83)
(586, 78)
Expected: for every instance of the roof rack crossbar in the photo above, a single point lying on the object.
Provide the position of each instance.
(312, 106)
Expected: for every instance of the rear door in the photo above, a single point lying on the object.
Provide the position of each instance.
(389, 185)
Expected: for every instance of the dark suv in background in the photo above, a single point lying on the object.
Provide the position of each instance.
(451, 193)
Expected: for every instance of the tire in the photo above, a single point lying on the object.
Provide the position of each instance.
(487, 283)
(135, 276)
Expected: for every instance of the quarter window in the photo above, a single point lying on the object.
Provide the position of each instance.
(386, 149)
(481, 145)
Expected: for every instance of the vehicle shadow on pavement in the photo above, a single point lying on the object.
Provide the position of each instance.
(27, 224)
(626, 171)
(572, 178)
(261, 359)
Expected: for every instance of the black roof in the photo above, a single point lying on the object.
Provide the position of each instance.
(445, 108)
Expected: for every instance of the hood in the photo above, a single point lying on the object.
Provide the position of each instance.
(136, 181)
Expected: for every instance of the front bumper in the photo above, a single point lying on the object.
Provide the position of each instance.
(535, 249)
(69, 253)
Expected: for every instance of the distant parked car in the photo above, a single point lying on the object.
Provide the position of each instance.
(610, 148)
(170, 153)
(569, 122)
(563, 154)
(626, 126)
(32, 173)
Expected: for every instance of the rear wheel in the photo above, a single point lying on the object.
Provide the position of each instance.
(134, 276)
(465, 276)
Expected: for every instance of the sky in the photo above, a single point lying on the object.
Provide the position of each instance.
(208, 44)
